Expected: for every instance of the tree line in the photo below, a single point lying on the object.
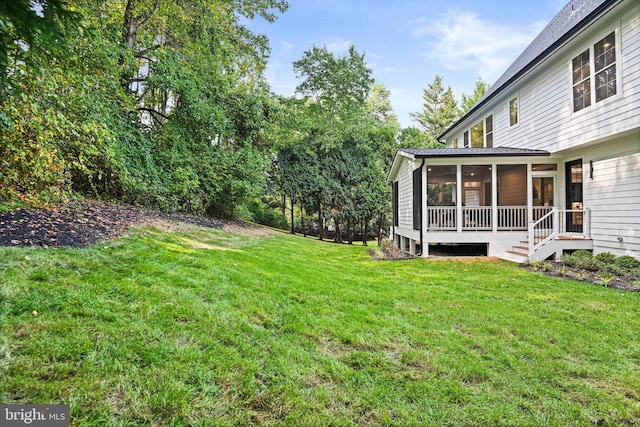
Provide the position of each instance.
(164, 104)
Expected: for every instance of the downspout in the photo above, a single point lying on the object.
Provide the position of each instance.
(393, 215)
(421, 205)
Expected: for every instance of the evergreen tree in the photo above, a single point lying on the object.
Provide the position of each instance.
(439, 111)
(468, 101)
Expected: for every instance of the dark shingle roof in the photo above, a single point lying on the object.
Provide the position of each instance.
(575, 15)
(471, 152)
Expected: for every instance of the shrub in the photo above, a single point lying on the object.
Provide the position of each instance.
(582, 259)
(627, 262)
(263, 214)
(605, 258)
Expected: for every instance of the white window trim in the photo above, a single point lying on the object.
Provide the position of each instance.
(516, 124)
(493, 129)
(484, 131)
(597, 105)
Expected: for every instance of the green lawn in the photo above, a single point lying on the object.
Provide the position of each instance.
(201, 327)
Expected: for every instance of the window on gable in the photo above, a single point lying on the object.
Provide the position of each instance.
(604, 57)
(466, 139)
(455, 143)
(477, 135)
(513, 111)
(595, 73)
(489, 131)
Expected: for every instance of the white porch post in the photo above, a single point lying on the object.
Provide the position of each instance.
(425, 201)
(529, 192)
(459, 198)
(494, 197)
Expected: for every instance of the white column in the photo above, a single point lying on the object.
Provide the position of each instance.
(424, 245)
(529, 193)
(494, 197)
(459, 219)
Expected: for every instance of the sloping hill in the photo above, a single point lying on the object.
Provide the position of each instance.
(188, 325)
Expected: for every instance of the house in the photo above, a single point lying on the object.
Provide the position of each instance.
(548, 160)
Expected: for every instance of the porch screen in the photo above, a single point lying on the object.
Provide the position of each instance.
(441, 197)
(396, 221)
(512, 197)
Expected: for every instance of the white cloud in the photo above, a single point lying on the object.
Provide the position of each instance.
(338, 46)
(463, 41)
(285, 48)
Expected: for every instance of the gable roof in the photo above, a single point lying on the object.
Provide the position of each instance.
(570, 20)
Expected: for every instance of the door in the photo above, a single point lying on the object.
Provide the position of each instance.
(543, 190)
(573, 171)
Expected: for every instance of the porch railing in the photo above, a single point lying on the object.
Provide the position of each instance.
(510, 218)
(558, 222)
(441, 218)
(476, 218)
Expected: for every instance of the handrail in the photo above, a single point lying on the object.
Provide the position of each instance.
(538, 235)
(552, 224)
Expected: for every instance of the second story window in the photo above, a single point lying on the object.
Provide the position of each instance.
(513, 111)
(477, 135)
(594, 73)
(604, 60)
(488, 128)
(581, 81)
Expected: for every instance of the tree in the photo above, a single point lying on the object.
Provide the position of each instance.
(338, 85)
(379, 106)
(413, 137)
(154, 102)
(468, 102)
(35, 26)
(439, 110)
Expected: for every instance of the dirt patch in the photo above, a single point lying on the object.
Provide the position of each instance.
(87, 223)
(388, 252)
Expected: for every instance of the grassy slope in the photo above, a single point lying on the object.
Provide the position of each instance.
(207, 328)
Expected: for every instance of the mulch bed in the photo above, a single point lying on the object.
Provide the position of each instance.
(86, 223)
(555, 269)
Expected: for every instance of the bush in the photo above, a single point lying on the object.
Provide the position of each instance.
(605, 258)
(627, 262)
(263, 214)
(582, 259)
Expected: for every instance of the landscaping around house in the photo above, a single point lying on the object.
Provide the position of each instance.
(604, 269)
(178, 324)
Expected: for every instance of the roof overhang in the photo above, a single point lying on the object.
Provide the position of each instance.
(458, 153)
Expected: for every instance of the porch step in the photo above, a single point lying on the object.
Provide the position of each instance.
(522, 254)
(515, 256)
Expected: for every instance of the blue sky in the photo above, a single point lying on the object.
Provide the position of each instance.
(407, 42)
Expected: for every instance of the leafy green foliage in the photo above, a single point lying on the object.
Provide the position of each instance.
(605, 258)
(158, 103)
(468, 101)
(582, 259)
(336, 163)
(439, 110)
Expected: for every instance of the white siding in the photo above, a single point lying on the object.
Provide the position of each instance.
(405, 194)
(613, 195)
(546, 119)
